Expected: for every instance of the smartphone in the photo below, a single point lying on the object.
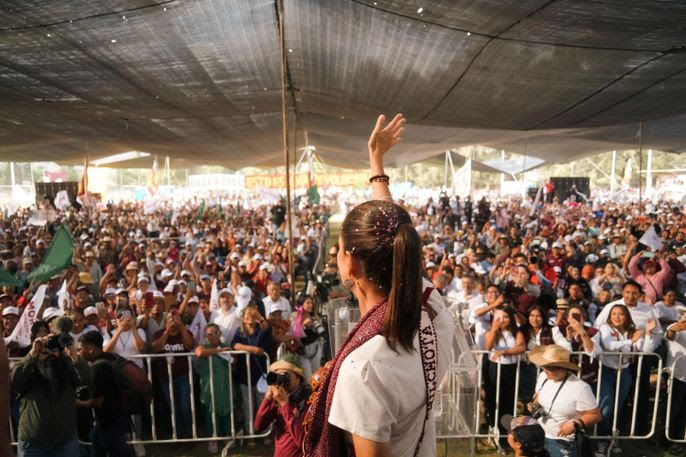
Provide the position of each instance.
(191, 286)
(148, 300)
(648, 255)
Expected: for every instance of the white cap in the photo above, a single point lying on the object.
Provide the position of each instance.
(157, 294)
(121, 290)
(244, 296)
(242, 264)
(430, 265)
(50, 313)
(194, 299)
(225, 290)
(258, 257)
(90, 311)
(185, 273)
(110, 291)
(10, 310)
(281, 305)
(169, 288)
(235, 255)
(557, 244)
(557, 269)
(591, 258)
(166, 273)
(143, 279)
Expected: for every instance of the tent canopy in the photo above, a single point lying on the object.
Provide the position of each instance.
(200, 79)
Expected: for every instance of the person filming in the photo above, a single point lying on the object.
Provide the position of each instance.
(284, 404)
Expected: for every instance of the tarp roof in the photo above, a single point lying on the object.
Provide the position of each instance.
(200, 79)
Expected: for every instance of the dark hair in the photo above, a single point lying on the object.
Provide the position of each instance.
(630, 325)
(382, 238)
(631, 282)
(93, 338)
(532, 443)
(529, 330)
(35, 328)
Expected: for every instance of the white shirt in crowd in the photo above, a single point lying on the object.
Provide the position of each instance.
(228, 321)
(380, 392)
(676, 349)
(506, 341)
(612, 340)
(482, 324)
(667, 313)
(575, 396)
(126, 345)
(640, 314)
(271, 306)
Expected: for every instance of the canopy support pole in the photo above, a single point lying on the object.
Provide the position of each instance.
(649, 176)
(445, 171)
(640, 163)
(12, 177)
(287, 163)
(612, 178)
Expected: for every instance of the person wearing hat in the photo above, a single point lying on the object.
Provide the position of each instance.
(652, 280)
(227, 316)
(284, 405)
(152, 319)
(525, 436)
(617, 248)
(562, 401)
(10, 319)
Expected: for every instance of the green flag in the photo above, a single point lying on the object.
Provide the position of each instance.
(201, 209)
(57, 258)
(8, 279)
(313, 195)
(219, 211)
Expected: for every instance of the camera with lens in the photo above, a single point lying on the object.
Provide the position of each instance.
(318, 328)
(537, 411)
(57, 343)
(278, 379)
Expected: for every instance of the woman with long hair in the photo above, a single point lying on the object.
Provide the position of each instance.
(506, 343)
(375, 397)
(536, 332)
(618, 334)
(308, 329)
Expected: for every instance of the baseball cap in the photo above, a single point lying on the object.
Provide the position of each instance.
(90, 311)
(132, 266)
(281, 305)
(50, 313)
(10, 310)
(225, 290)
(110, 291)
(244, 297)
(157, 294)
(143, 279)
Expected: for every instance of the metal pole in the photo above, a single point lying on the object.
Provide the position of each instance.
(640, 163)
(649, 175)
(612, 179)
(284, 130)
(167, 164)
(445, 171)
(12, 177)
(502, 175)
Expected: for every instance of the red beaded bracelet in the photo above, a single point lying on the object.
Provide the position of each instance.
(379, 178)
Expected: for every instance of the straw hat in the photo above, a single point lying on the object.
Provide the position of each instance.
(285, 365)
(552, 355)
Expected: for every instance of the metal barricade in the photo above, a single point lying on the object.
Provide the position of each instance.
(157, 436)
(494, 434)
(679, 361)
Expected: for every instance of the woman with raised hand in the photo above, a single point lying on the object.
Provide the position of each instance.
(375, 397)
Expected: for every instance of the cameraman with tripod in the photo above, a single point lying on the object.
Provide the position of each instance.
(285, 403)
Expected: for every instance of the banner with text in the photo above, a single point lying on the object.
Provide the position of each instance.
(300, 181)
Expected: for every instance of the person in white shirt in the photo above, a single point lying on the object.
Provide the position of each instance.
(562, 402)
(676, 337)
(505, 343)
(643, 315)
(481, 316)
(227, 316)
(667, 310)
(462, 302)
(618, 334)
(274, 301)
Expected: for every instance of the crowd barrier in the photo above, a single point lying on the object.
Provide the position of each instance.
(679, 361)
(157, 436)
(622, 428)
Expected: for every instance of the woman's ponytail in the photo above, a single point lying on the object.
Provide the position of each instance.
(404, 301)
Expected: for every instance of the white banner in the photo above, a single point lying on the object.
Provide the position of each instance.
(22, 332)
(651, 239)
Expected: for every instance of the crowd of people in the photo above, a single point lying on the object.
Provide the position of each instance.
(137, 286)
(599, 279)
(576, 288)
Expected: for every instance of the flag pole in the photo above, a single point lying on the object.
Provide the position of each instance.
(640, 165)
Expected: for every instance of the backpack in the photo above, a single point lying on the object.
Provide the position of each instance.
(134, 390)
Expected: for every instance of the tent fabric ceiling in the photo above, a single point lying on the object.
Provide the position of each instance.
(199, 80)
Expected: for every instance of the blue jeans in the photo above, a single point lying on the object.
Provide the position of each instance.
(608, 384)
(111, 439)
(182, 403)
(559, 448)
(69, 448)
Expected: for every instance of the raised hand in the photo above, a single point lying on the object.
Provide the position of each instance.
(385, 136)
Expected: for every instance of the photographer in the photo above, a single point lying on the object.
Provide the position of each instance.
(46, 381)
(284, 403)
(562, 402)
